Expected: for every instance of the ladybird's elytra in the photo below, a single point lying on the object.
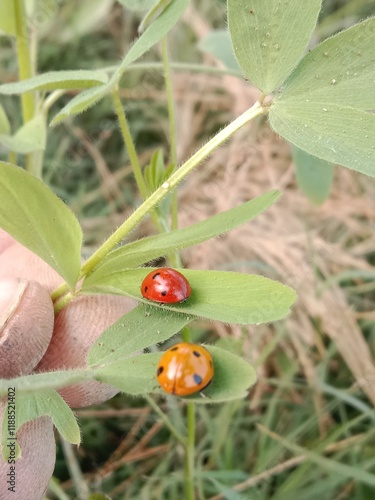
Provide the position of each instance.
(166, 285)
(185, 369)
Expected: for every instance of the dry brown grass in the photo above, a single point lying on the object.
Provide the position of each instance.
(293, 241)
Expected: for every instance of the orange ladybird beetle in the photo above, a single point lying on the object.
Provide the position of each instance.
(165, 285)
(185, 369)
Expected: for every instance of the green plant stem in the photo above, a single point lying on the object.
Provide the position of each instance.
(12, 157)
(55, 488)
(167, 187)
(52, 98)
(170, 100)
(190, 437)
(128, 140)
(163, 191)
(124, 126)
(166, 421)
(174, 258)
(24, 59)
(160, 5)
(75, 471)
(60, 304)
(190, 452)
(24, 67)
(195, 68)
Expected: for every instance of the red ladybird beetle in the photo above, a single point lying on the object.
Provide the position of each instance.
(185, 369)
(166, 285)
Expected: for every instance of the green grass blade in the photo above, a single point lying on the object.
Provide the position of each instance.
(153, 34)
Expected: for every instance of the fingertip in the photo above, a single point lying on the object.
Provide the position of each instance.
(26, 326)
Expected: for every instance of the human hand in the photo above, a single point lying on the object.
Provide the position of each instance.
(32, 340)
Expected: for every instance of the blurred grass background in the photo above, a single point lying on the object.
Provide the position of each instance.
(306, 430)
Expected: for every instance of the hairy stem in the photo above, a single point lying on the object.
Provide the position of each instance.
(167, 187)
(24, 59)
(156, 197)
(190, 452)
(128, 140)
(174, 258)
(166, 420)
(124, 126)
(24, 67)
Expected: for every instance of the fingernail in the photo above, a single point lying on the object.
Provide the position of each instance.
(11, 292)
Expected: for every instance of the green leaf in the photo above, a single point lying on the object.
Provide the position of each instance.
(40, 221)
(314, 176)
(270, 37)
(139, 252)
(136, 376)
(138, 4)
(219, 44)
(4, 122)
(154, 175)
(46, 380)
(83, 101)
(133, 376)
(156, 172)
(30, 137)
(153, 34)
(233, 377)
(33, 405)
(341, 70)
(47, 403)
(8, 17)
(142, 327)
(77, 79)
(337, 134)
(222, 296)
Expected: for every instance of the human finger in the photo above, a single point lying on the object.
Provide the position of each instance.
(26, 326)
(77, 326)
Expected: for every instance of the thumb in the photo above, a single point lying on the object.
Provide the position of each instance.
(26, 326)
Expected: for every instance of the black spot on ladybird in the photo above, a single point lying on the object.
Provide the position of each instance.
(174, 348)
(164, 293)
(197, 354)
(155, 275)
(146, 288)
(160, 370)
(197, 379)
